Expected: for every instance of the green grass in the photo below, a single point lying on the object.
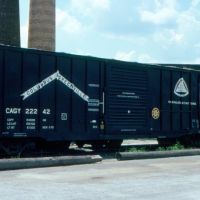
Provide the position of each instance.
(137, 149)
(174, 147)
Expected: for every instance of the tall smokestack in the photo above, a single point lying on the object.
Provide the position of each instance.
(42, 25)
(9, 22)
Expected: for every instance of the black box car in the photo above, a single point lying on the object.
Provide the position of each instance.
(63, 97)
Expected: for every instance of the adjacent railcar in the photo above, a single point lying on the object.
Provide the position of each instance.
(58, 97)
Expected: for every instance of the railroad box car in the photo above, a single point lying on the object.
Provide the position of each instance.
(63, 97)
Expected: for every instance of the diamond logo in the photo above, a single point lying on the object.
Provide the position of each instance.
(181, 88)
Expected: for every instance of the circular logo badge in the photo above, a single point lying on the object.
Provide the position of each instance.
(156, 113)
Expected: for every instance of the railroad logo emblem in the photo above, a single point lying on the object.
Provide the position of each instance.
(56, 76)
(181, 88)
(155, 113)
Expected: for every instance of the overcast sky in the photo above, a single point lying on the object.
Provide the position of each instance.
(133, 30)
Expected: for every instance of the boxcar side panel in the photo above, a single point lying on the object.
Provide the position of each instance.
(194, 116)
(176, 114)
(12, 91)
(78, 104)
(58, 96)
(155, 85)
(180, 101)
(1, 90)
(126, 99)
(63, 99)
(93, 91)
(30, 103)
(165, 97)
(47, 93)
(185, 108)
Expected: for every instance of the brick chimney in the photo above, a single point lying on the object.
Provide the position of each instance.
(9, 22)
(42, 25)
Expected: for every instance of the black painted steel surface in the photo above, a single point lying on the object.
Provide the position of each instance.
(59, 96)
